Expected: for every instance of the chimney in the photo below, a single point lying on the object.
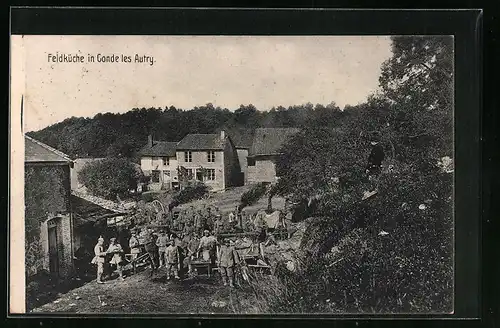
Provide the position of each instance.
(150, 140)
(222, 134)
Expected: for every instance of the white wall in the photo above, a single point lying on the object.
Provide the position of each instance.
(199, 159)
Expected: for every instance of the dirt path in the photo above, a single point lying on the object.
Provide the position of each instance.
(141, 294)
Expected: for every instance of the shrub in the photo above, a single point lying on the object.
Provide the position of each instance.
(193, 191)
(110, 177)
(253, 195)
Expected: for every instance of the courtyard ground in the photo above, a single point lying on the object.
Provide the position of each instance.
(141, 293)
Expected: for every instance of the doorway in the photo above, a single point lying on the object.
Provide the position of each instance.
(53, 252)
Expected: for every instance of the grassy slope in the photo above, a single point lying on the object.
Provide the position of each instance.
(227, 201)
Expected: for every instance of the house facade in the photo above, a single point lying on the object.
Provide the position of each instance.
(264, 152)
(48, 215)
(159, 162)
(220, 160)
(210, 158)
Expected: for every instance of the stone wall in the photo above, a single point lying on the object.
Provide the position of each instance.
(47, 197)
(264, 170)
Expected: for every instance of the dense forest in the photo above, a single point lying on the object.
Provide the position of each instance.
(108, 134)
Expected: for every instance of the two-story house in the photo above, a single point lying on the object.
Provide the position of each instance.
(159, 162)
(211, 158)
(264, 152)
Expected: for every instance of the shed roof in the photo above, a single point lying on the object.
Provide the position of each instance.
(268, 141)
(242, 138)
(84, 211)
(201, 142)
(38, 152)
(159, 148)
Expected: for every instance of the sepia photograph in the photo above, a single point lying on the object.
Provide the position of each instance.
(238, 175)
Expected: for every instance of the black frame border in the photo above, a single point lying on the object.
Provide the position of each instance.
(465, 25)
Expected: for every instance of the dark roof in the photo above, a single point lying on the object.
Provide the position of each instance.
(159, 148)
(242, 138)
(86, 211)
(268, 141)
(36, 152)
(201, 141)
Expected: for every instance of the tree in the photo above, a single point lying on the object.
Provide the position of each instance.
(420, 72)
(418, 82)
(413, 117)
(110, 177)
(123, 147)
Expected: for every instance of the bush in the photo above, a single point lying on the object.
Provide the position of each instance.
(349, 267)
(110, 177)
(192, 191)
(253, 195)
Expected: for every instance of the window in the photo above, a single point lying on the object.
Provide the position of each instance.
(189, 173)
(188, 156)
(251, 161)
(211, 156)
(166, 174)
(166, 161)
(155, 176)
(199, 174)
(210, 174)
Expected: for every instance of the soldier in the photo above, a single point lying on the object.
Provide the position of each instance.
(133, 243)
(374, 165)
(228, 258)
(198, 222)
(188, 230)
(161, 242)
(99, 259)
(244, 221)
(147, 240)
(207, 246)
(231, 217)
(209, 220)
(169, 220)
(218, 225)
(216, 211)
(116, 250)
(172, 257)
(192, 249)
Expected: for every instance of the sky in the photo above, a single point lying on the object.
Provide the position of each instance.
(191, 71)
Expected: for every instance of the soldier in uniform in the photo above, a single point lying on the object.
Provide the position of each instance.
(218, 225)
(207, 245)
(133, 243)
(198, 222)
(192, 249)
(99, 259)
(116, 251)
(161, 242)
(228, 258)
(188, 230)
(146, 239)
(172, 257)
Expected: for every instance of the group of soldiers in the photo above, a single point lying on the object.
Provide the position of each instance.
(209, 217)
(191, 236)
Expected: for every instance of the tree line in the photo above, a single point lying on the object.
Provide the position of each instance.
(122, 135)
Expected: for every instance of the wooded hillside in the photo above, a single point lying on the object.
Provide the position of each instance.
(117, 135)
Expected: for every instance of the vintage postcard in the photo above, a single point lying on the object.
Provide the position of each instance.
(232, 174)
